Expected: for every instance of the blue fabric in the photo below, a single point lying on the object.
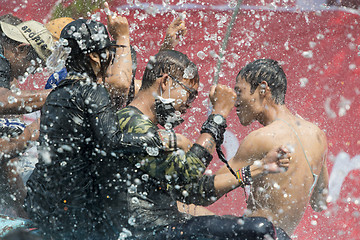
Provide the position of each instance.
(8, 224)
(11, 127)
(53, 82)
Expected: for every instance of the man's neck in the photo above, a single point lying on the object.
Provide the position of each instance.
(274, 112)
(145, 102)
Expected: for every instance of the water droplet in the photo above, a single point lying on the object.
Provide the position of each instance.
(12, 99)
(131, 221)
(303, 82)
(307, 54)
(145, 177)
(320, 36)
(135, 200)
(201, 55)
(313, 222)
(232, 3)
(132, 189)
(137, 181)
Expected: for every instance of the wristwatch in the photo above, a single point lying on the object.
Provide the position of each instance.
(218, 119)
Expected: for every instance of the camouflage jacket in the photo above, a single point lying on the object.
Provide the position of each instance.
(155, 183)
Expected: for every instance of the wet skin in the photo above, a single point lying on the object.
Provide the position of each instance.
(282, 197)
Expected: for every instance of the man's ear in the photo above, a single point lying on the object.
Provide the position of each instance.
(263, 88)
(95, 57)
(22, 47)
(164, 82)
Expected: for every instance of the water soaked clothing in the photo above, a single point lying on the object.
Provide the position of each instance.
(142, 190)
(78, 132)
(56, 78)
(5, 70)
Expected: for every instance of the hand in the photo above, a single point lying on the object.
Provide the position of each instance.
(183, 143)
(34, 130)
(277, 160)
(175, 31)
(118, 26)
(223, 99)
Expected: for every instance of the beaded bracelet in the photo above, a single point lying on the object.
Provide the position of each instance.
(239, 178)
(246, 175)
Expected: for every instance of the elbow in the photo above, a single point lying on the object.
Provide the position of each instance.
(123, 87)
(120, 82)
(120, 86)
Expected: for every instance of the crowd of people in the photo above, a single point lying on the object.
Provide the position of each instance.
(110, 164)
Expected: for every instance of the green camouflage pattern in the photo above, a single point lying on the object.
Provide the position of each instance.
(177, 170)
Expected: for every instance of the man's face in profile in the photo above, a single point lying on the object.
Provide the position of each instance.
(26, 60)
(245, 102)
(184, 92)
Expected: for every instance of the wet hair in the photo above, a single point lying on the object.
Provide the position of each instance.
(171, 62)
(84, 37)
(266, 70)
(77, 61)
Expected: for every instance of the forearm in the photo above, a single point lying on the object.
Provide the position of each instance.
(105, 126)
(207, 142)
(10, 148)
(212, 132)
(210, 188)
(226, 182)
(120, 72)
(27, 101)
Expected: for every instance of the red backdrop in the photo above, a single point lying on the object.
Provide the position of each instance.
(318, 49)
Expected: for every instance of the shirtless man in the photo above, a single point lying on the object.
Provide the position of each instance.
(282, 198)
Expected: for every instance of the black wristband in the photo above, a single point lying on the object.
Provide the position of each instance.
(201, 153)
(173, 140)
(215, 125)
(246, 174)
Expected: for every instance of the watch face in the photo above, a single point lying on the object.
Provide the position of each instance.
(218, 119)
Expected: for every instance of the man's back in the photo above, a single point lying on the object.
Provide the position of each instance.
(284, 197)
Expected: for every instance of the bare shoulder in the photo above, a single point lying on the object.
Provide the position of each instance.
(256, 145)
(312, 130)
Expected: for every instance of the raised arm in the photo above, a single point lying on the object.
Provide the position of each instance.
(253, 147)
(104, 124)
(174, 32)
(120, 71)
(276, 160)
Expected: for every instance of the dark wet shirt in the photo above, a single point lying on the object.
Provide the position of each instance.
(5, 78)
(78, 133)
(149, 186)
